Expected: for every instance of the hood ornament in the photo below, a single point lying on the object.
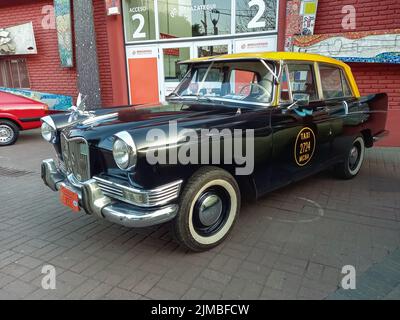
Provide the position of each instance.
(79, 110)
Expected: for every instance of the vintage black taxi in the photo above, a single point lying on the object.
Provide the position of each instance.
(303, 114)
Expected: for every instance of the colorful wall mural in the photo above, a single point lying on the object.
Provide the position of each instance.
(54, 101)
(368, 46)
(62, 11)
(300, 20)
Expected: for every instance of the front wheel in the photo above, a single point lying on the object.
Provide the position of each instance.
(354, 160)
(209, 207)
(9, 133)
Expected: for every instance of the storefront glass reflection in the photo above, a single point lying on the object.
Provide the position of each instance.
(255, 15)
(172, 70)
(194, 18)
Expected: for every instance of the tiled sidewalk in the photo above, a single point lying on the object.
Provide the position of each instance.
(292, 244)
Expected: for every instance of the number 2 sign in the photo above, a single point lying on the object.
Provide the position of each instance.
(138, 33)
(256, 21)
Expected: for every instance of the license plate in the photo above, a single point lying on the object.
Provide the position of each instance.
(69, 199)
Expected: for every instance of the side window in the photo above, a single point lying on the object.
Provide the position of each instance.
(302, 81)
(346, 88)
(334, 83)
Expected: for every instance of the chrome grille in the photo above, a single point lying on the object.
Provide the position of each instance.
(142, 198)
(75, 154)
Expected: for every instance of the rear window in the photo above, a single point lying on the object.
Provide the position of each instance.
(334, 82)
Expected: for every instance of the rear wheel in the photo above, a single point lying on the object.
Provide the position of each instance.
(9, 133)
(209, 207)
(354, 160)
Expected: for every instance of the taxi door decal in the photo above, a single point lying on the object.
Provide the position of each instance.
(304, 147)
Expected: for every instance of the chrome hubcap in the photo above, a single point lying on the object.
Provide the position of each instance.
(210, 210)
(6, 134)
(354, 155)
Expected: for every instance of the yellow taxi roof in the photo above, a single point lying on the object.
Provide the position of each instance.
(289, 56)
(272, 56)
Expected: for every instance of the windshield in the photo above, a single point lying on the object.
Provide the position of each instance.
(244, 81)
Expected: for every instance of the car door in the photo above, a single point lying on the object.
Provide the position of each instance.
(301, 126)
(342, 106)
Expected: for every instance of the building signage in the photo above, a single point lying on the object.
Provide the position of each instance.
(17, 40)
(268, 43)
(369, 46)
(113, 7)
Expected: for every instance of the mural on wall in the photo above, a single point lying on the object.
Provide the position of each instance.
(300, 19)
(309, 14)
(17, 40)
(54, 101)
(62, 11)
(368, 46)
(293, 22)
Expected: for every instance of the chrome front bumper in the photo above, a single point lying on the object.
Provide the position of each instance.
(94, 202)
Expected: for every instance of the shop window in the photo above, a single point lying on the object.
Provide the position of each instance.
(173, 71)
(334, 83)
(139, 20)
(194, 18)
(255, 15)
(14, 73)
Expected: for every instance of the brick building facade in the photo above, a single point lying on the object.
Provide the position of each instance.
(46, 74)
(371, 77)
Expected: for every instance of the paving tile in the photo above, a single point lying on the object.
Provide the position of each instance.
(273, 253)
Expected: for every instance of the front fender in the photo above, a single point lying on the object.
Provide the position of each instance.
(9, 116)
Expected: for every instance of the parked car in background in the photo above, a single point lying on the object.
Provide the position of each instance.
(305, 111)
(18, 113)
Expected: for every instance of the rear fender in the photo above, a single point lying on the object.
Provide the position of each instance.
(376, 114)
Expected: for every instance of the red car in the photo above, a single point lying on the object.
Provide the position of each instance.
(18, 113)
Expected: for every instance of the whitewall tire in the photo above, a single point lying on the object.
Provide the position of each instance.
(354, 160)
(209, 207)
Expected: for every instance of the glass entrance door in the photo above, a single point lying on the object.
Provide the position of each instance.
(171, 54)
(173, 72)
(212, 48)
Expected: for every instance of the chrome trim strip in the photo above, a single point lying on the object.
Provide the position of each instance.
(49, 120)
(153, 198)
(94, 202)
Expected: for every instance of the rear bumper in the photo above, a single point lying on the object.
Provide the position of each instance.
(381, 136)
(94, 202)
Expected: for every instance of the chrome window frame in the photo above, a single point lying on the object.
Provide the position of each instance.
(343, 76)
(315, 72)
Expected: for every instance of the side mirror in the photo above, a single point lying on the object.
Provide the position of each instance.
(301, 99)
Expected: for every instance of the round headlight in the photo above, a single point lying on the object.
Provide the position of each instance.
(124, 151)
(48, 132)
